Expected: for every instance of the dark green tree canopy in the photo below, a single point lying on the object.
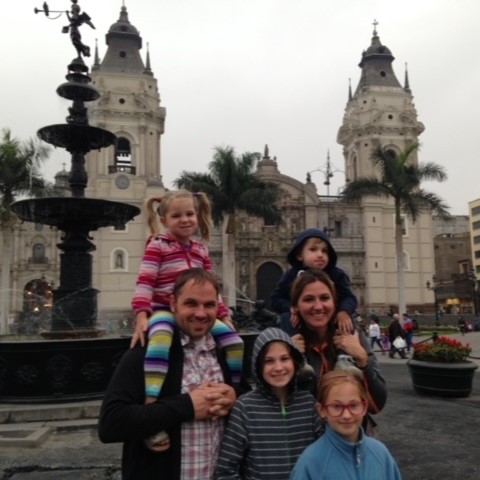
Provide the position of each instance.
(400, 178)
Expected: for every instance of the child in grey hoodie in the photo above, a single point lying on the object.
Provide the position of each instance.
(270, 426)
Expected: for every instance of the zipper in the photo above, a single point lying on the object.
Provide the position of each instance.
(284, 413)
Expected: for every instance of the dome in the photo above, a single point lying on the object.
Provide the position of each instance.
(61, 178)
(123, 25)
(376, 48)
(123, 31)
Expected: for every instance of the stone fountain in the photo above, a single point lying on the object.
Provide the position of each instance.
(72, 361)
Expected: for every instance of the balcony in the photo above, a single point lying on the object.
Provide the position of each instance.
(122, 169)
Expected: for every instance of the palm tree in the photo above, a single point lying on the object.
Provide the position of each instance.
(400, 177)
(19, 176)
(232, 185)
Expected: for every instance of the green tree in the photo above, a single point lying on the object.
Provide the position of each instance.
(20, 176)
(399, 178)
(232, 185)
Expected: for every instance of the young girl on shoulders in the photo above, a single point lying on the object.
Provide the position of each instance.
(344, 452)
(167, 255)
(270, 426)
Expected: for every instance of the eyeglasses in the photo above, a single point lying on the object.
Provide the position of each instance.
(337, 409)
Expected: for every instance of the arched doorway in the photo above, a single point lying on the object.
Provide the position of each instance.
(37, 305)
(268, 275)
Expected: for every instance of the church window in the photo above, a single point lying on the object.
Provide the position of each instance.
(119, 260)
(269, 222)
(123, 54)
(337, 228)
(383, 73)
(38, 253)
(121, 101)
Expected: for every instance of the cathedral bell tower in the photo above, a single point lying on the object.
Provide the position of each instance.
(381, 113)
(130, 170)
(129, 106)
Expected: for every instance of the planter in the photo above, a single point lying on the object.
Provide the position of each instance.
(442, 379)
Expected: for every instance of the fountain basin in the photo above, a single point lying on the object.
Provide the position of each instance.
(76, 138)
(45, 371)
(67, 212)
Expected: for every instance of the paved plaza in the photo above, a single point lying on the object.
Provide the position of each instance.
(430, 437)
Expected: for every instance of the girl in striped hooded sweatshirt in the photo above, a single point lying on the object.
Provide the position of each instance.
(183, 214)
(270, 426)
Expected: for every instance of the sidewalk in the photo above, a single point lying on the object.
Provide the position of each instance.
(430, 437)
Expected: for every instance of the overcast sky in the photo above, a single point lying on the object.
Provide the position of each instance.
(252, 72)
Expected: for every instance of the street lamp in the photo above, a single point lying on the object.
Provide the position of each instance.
(328, 172)
(432, 286)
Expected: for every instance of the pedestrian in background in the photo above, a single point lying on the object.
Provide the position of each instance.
(374, 333)
(408, 329)
(395, 331)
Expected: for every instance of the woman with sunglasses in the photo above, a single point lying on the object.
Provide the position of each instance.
(344, 452)
(325, 347)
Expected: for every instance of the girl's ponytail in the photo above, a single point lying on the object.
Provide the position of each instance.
(204, 215)
(152, 215)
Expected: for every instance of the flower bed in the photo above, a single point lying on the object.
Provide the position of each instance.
(443, 349)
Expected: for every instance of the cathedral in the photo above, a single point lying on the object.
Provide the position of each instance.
(378, 112)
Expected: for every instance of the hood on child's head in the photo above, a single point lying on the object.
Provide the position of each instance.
(300, 241)
(266, 337)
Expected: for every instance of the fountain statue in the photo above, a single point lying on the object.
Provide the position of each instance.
(73, 361)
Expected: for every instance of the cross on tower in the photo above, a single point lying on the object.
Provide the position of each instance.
(375, 23)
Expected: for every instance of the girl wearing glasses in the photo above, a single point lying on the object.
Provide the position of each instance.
(314, 305)
(344, 452)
